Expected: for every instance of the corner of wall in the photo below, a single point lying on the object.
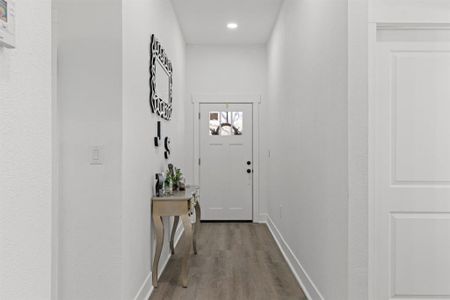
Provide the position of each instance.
(146, 288)
(308, 286)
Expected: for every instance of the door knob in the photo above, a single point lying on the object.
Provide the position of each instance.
(249, 171)
(249, 163)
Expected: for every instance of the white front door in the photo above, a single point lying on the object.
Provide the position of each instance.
(226, 163)
(410, 167)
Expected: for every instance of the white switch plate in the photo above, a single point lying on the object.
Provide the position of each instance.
(96, 155)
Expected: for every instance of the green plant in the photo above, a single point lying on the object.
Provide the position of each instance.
(174, 175)
(177, 176)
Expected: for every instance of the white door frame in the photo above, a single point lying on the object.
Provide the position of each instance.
(56, 161)
(372, 36)
(255, 100)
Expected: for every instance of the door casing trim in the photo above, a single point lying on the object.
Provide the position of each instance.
(255, 100)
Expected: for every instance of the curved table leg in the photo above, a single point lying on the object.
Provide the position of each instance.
(159, 231)
(198, 214)
(188, 235)
(176, 219)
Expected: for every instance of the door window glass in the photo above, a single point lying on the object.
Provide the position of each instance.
(225, 123)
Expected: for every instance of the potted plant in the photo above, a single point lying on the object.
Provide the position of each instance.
(173, 177)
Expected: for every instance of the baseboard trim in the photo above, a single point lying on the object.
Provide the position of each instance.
(146, 289)
(309, 288)
(226, 221)
(261, 219)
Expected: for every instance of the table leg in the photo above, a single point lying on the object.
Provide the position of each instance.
(176, 219)
(188, 235)
(198, 214)
(159, 231)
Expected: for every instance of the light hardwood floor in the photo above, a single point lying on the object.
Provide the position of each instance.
(235, 261)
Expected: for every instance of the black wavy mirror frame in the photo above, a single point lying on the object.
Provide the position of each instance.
(160, 62)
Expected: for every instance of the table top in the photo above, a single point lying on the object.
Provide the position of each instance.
(178, 195)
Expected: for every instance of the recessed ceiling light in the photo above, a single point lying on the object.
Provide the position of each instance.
(232, 25)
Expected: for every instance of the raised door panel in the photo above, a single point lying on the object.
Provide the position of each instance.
(420, 117)
(420, 255)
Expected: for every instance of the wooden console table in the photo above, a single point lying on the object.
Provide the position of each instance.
(179, 205)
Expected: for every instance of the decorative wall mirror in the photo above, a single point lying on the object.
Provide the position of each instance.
(160, 80)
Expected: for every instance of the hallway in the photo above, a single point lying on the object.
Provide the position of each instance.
(308, 140)
(245, 263)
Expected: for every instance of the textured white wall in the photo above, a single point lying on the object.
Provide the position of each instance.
(26, 156)
(105, 234)
(141, 160)
(226, 70)
(307, 67)
(90, 96)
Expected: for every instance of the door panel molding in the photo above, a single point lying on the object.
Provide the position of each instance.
(405, 97)
(408, 232)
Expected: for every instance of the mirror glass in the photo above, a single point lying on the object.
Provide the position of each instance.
(162, 82)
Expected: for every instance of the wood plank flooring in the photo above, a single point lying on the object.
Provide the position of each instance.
(235, 261)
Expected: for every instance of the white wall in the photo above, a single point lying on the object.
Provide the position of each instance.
(26, 156)
(307, 67)
(90, 96)
(141, 160)
(103, 86)
(226, 70)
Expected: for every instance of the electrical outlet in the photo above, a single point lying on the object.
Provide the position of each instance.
(96, 155)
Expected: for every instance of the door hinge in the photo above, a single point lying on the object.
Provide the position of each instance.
(199, 116)
(199, 161)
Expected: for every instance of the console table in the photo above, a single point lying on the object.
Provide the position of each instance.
(179, 205)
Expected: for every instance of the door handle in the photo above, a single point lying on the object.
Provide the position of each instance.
(249, 171)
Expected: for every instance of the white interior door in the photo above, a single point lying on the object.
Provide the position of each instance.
(226, 163)
(411, 170)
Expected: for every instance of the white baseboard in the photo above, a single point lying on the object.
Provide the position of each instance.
(308, 286)
(262, 218)
(146, 289)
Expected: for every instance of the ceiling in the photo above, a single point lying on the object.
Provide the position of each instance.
(204, 21)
